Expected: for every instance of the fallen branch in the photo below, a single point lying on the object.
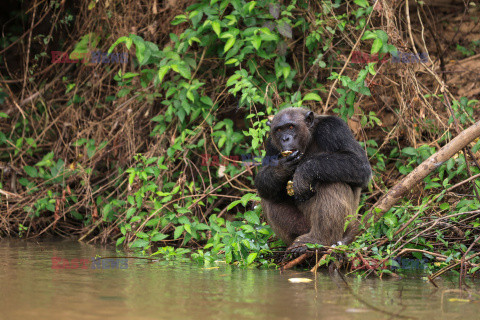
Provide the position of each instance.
(317, 265)
(453, 265)
(296, 261)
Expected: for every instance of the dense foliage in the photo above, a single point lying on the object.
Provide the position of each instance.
(170, 161)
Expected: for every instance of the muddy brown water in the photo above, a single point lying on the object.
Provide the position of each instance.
(31, 289)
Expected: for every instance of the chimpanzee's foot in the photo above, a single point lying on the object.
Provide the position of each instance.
(296, 249)
(339, 243)
(299, 247)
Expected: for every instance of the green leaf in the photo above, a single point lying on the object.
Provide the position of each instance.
(350, 99)
(362, 3)
(130, 211)
(248, 228)
(190, 96)
(139, 49)
(369, 35)
(382, 35)
(206, 100)
(127, 41)
(46, 161)
(252, 217)
(106, 210)
(312, 96)
(251, 257)
(142, 235)
(135, 219)
(216, 27)
(371, 68)
(86, 43)
(251, 5)
(286, 71)
(129, 75)
(409, 151)
(31, 171)
(229, 44)
(162, 72)
(179, 19)
(445, 206)
(377, 45)
(417, 255)
(139, 243)
(257, 42)
(233, 204)
(79, 142)
(432, 185)
(183, 69)
(476, 147)
(178, 232)
(232, 60)
(159, 237)
(390, 219)
(450, 164)
(91, 150)
(120, 241)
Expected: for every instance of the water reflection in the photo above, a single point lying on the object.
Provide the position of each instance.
(29, 288)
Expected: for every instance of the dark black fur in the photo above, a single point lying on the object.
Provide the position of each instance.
(329, 164)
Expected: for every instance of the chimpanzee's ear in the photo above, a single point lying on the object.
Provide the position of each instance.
(269, 123)
(309, 119)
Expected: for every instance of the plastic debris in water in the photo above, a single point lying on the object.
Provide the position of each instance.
(300, 280)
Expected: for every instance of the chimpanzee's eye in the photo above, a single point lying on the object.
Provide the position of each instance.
(278, 130)
(291, 127)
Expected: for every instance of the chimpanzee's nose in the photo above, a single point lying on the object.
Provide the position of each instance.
(285, 138)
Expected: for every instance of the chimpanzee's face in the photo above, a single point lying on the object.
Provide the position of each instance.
(290, 129)
(285, 134)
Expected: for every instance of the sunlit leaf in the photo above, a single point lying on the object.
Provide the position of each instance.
(312, 96)
(229, 44)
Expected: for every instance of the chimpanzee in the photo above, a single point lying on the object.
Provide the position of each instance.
(328, 168)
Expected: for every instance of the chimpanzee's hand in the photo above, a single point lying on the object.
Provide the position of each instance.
(290, 163)
(303, 187)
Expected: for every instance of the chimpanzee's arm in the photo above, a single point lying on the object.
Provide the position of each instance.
(341, 159)
(271, 181)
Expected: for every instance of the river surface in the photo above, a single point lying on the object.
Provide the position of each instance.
(33, 286)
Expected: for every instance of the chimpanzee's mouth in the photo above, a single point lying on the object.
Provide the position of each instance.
(286, 153)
